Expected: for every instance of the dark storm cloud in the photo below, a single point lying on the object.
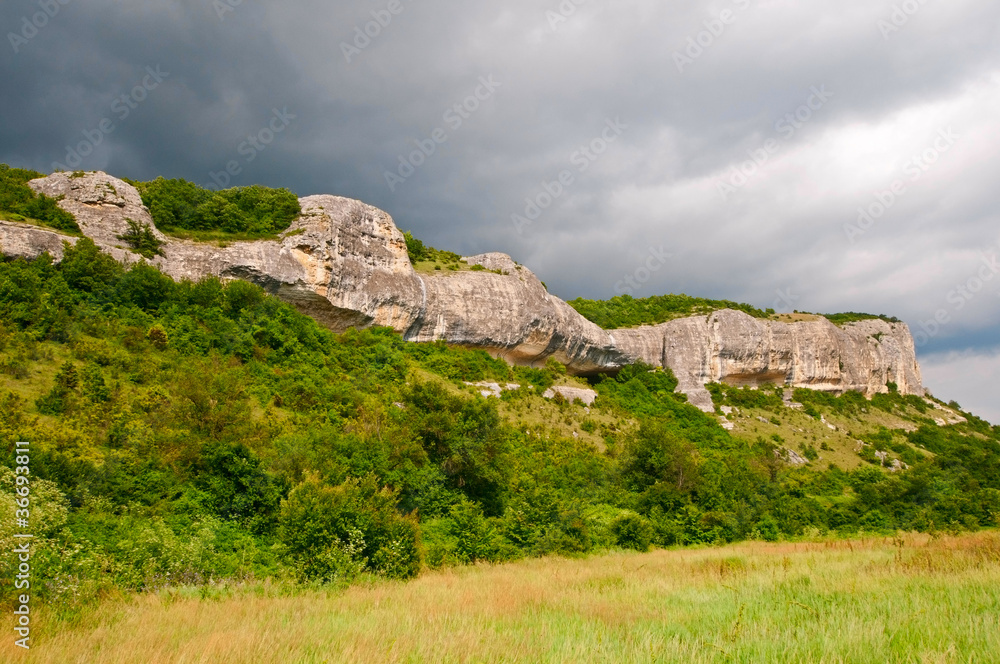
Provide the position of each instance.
(698, 89)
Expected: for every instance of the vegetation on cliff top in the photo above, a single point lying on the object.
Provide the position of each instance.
(626, 311)
(183, 432)
(854, 317)
(19, 203)
(183, 209)
(425, 258)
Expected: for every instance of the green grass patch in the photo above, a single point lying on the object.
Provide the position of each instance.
(625, 311)
(13, 216)
(218, 237)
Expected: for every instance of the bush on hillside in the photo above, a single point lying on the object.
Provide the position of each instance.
(336, 532)
(187, 412)
(414, 248)
(17, 198)
(141, 239)
(632, 531)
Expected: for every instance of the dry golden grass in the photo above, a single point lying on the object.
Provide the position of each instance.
(912, 599)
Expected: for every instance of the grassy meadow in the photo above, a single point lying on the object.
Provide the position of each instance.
(914, 598)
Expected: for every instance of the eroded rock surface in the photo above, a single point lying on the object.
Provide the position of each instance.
(733, 347)
(345, 264)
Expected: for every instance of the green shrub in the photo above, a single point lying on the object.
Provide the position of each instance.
(414, 248)
(419, 252)
(459, 364)
(157, 337)
(141, 239)
(632, 531)
(745, 397)
(62, 395)
(854, 317)
(475, 536)
(332, 531)
(768, 529)
(95, 389)
(237, 488)
(86, 268)
(656, 454)
(18, 200)
(868, 454)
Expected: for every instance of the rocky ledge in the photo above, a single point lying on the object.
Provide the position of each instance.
(345, 264)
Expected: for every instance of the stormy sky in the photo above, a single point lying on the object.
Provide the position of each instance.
(820, 156)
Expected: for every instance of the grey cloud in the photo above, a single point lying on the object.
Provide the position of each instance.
(781, 233)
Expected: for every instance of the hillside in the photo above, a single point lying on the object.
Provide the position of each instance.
(346, 265)
(196, 430)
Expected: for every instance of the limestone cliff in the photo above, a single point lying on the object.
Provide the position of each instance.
(732, 347)
(345, 264)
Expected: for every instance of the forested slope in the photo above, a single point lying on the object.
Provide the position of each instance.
(183, 432)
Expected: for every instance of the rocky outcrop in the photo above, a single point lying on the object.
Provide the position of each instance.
(571, 394)
(345, 264)
(342, 262)
(511, 315)
(732, 347)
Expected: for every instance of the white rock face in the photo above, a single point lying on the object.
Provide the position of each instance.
(735, 348)
(512, 316)
(345, 264)
(495, 390)
(342, 262)
(571, 394)
(947, 417)
(791, 457)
